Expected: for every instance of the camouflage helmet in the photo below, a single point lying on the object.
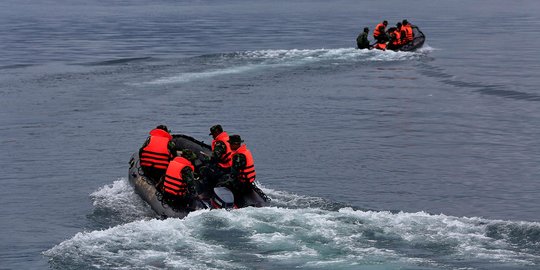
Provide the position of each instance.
(163, 127)
(216, 128)
(189, 155)
(235, 139)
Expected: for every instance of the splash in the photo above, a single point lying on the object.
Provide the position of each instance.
(117, 203)
(310, 238)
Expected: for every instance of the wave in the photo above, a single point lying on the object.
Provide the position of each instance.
(15, 66)
(117, 61)
(117, 203)
(311, 237)
(498, 90)
(250, 61)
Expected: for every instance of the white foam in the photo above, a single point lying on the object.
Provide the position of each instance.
(308, 237)
(187, 77)
(119, 197)
(291, 200)
(168, 243)
(263, 59)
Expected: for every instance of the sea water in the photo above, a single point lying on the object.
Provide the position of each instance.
(373, 160)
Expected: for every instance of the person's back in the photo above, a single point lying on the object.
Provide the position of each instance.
(221, 150)
(362, 41)
(243, 169)
(407, 28)
(179, 186)
(156, 152)
(380, 31)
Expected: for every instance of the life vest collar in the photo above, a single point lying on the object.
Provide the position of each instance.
(223, 136)
(160, 133)
(184, 161)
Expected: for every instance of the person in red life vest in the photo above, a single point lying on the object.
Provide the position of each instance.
(156, 153)
(221, 149)
(243, 173)
(179, 185)
(407, 29)
(221, 157)
(395, 37)
(379, 34)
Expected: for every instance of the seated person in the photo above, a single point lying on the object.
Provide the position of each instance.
(220, 161)
(179, 185)
(156, 152)
(243, 173)
(395, 37)
(362, 41)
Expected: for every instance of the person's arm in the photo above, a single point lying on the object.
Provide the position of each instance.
(219, 149)
(172, 149)
(238, 163)
(192, 184)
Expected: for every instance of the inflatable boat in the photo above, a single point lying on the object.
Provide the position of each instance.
(211, 198)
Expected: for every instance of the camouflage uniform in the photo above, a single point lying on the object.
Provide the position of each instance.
(219, 150)
(239, 163)
(362, 41)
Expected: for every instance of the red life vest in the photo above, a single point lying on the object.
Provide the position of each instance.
(225, 161)
(156, 153)
(397, 38)
(408, 30)
(381, 46)
(377, 32)
(247, 174)
(174, 184)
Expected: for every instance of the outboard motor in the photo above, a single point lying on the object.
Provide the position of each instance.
(223, 198)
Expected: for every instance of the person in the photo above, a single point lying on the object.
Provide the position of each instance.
(395, 37)
(221, 149)
(220, 160)
(407, 28)
(362, 41)
(243, 173)
(379, 34)
(156, 152)
(179, 184)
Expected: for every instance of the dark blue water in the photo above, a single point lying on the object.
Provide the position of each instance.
(374, 160)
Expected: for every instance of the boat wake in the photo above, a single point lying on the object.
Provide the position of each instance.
(254, 61)
(318, 235)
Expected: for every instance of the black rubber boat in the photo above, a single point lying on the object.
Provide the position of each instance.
(217, 197)
(416, 43)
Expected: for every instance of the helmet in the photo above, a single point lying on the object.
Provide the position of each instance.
(216, 128)
(189, 155)
(235, 139)
(163, 127)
